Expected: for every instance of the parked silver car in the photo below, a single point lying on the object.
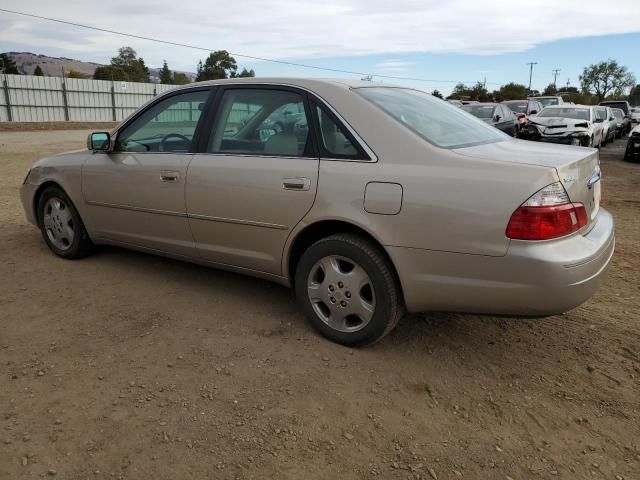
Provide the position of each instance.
(393, 200)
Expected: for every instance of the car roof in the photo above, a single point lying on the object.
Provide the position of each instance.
(481, 103)
(308, 83)
(571, 105)
(516, 101)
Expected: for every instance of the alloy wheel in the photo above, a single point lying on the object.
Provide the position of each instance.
(58, 223)
(341, 293)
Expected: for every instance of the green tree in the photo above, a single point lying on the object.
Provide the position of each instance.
(74, 74)
(511, 91)
(38, 71)
(219, 64)
(8, 65)
(165, 74)
(246, 73)
(109, 72)
(550, 90)
(126, 66)
(478, 93)
(606, 78)
(460, 92)
(437, 94)
(180, 78)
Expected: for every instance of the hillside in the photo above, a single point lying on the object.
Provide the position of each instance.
(53, 66)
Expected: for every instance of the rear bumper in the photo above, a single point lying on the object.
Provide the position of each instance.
(532, 279)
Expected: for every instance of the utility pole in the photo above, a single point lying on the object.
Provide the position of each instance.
(555, 76)
(531, 64)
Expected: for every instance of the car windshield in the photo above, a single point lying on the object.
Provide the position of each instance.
(480, 111)
(438, 122)
(574, 113)
(548, 101)
(619, 114)
(517, 107)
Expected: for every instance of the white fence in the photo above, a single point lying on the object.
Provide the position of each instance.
(25, 98)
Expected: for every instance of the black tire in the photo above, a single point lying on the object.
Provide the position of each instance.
(388, 303)
(81, 245)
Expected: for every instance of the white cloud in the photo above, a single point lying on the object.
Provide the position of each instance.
(306, 30)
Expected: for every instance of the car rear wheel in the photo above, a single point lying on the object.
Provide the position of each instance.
(348, 290)
(61, 225)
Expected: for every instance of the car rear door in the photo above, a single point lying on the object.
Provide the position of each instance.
(135, 194)
(255, 176)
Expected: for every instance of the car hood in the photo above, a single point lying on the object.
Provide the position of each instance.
(557, 122)
(526, 152)
(66, 159)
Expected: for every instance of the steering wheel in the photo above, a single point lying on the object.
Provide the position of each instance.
(162, 146)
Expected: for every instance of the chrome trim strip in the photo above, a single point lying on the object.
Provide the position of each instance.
(594, 179)
(238, 221)
(193, 215)
(136, 209)
(257, 155)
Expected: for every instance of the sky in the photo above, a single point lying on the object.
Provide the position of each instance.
(439, 42)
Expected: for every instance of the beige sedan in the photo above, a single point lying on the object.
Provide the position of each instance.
(367, 199)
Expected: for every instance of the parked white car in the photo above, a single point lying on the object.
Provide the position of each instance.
(548, 100)
(567, 124)
(609, 124)
(635, 115)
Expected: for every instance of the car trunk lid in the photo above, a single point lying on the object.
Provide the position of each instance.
(578, 168)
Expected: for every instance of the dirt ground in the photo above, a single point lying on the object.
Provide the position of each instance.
(130, 366)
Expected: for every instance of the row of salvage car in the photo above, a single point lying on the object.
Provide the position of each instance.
(552, 120)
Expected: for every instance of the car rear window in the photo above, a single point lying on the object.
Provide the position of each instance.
(621, 105)
(437, 121)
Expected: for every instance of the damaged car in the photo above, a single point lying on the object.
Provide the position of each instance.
(632, 152)
(577, 125)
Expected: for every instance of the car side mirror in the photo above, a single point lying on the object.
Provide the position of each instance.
(533, 112)
(599, 120)
(611, 119)
(497, 118)
(99, 141)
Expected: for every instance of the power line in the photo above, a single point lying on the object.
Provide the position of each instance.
(251, 57)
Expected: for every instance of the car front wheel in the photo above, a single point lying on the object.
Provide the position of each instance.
(348, 290)
(61, 226)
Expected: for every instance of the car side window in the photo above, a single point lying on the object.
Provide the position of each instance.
(335, 142)
(254, 121)
(167, 126)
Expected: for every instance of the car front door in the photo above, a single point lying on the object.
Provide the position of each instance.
(135, 194)
(255, 178)
(503, 120)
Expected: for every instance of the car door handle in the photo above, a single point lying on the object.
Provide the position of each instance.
(296, 183)
(171, 177)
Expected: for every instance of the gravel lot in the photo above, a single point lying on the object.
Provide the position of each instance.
(129, 366)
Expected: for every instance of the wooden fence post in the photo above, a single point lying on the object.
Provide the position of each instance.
(65, 100)
(113, 102)
(7, 99)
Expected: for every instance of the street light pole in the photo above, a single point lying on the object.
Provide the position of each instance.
(531, 64)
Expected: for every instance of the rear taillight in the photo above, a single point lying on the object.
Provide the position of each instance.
(547, 214)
